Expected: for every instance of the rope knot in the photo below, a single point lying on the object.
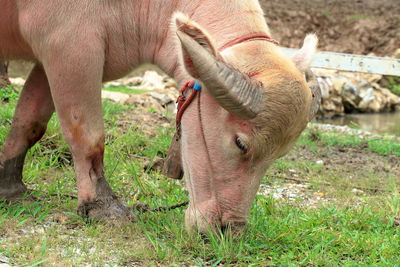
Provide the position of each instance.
(184, 102)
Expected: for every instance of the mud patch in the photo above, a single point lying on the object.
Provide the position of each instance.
(358, 27)
(146, 121)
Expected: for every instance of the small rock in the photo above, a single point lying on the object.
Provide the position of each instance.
(169, 83)
(135, 100)
(353, 92)
(357, 191)
(17, 81)
(77, 251)
(144, 101)
(372, 78)
(350, 88)
(324, 86)
(115, 96)
(396, 221)
(162, 98)
(280, 190)
(337, 83)
(135, 81)
(368, 97)
(319, 162)
(152, 81)
(4, 261)
(397, 53)
(319, 194)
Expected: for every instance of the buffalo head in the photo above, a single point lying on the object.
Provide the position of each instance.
(254, 105)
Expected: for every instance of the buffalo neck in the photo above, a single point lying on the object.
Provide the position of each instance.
(225, 21)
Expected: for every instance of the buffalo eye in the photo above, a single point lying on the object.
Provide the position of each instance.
(241, 145)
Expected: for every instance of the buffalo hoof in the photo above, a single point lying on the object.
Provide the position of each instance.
(11, 185)
(106, 209)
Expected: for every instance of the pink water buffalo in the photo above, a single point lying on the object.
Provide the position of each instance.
(254, 104)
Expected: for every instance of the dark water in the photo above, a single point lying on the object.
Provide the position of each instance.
(379, 123)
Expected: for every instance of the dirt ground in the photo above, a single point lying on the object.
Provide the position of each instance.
(349, 26)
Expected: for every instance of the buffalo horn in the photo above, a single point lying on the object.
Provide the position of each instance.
(228, 86)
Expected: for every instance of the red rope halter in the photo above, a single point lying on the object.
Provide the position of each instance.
(184, 102)
(249, 37)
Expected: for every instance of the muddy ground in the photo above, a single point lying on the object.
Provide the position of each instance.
(350, 26)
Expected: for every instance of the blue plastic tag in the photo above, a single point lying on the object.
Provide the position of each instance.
(197, 86)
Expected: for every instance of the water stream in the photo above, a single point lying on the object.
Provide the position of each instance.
(379, 123)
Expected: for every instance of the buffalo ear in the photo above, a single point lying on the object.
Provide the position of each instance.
(191, 30)
(303, 58)
(312, 82)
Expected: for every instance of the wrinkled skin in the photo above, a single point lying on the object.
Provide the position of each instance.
(79, 44)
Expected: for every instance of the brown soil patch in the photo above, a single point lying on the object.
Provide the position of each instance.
(349, 160)
(146, 121)
(349, 26)
(345, 174)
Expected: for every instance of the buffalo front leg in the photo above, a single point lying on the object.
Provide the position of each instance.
(32, 114)
(75, 83)
(172, 167)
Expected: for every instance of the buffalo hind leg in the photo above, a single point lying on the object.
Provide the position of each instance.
(33, 111)
(75, 84)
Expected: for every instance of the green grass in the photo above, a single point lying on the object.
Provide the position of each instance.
(393, 83)
(381, 146)
(356, 17)
(124, 89)
(326, 13)
(396, 89)
(384, 147)
(49, 232)
(8, 93)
